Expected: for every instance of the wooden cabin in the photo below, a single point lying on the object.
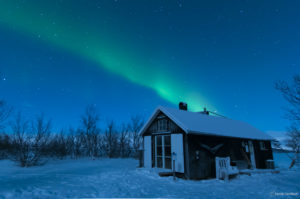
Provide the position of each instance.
(189, 142)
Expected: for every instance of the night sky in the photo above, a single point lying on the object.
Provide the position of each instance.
(128, 57)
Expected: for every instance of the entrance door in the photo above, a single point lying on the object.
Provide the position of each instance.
(163, 157)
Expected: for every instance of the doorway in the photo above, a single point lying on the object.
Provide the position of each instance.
(163, 157)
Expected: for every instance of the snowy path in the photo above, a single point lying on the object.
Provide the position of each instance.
(106, 178)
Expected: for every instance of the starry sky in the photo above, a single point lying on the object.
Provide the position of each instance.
(126, 57)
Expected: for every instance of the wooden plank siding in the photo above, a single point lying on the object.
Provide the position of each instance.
(204, 166)
(172, 127)
(261, 155)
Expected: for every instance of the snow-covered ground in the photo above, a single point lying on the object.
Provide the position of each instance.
(119, 178)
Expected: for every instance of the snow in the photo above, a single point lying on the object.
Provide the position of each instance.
(120, 178)
(194, 122)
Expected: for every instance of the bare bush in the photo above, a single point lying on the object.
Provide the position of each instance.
(29, 143)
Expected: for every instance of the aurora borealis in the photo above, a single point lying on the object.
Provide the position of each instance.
(221, 56)
(100, 48)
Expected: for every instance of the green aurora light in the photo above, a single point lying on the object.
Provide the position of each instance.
(98, 47)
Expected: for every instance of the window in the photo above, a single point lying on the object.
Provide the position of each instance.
(162, 125)
(153, 150)
(262, 145)
(167, 155)
(159, 152)
(163, 152)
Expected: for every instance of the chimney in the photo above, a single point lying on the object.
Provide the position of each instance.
(206, 112)
(182, 106)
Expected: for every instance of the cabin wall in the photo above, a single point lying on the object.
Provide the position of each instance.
(202, 160)
(262, 155)
(186, 156)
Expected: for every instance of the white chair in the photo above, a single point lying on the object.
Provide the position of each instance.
(223, 168)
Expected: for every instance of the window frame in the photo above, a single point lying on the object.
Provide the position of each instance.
(163, 155)
(262, 146)
(162, 125)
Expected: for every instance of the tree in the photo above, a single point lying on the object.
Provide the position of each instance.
(110, 140)
(75, 146)
(291, 94)
(89, 131)
(58, 145)
(135, 126)
(70, 143)
(124, 141)
(293, 142)
(41, 129)
(5, 145)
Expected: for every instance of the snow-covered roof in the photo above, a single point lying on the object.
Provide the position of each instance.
(198, 123)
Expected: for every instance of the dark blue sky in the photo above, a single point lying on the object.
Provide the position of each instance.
(226, 54)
